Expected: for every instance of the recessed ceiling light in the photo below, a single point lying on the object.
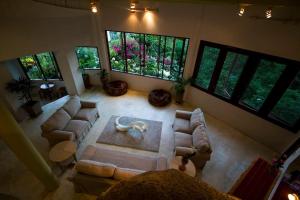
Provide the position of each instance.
(268, 13)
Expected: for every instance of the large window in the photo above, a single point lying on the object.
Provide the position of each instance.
(147, 55)
(40, 66)
(264, 85)
(88, 57)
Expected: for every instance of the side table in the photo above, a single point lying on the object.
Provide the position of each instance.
(63, 153)
(190, 168)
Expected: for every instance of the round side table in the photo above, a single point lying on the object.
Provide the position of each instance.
(190, 168)
(63, 153)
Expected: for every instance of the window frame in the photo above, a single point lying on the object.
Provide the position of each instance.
(97, 54)
(40, 68)
(277, 91)
(143, 35)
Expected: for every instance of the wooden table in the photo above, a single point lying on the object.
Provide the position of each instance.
(63, 152)
(190, 168)
(46, 90)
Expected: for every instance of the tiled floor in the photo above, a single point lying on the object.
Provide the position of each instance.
(232, 151)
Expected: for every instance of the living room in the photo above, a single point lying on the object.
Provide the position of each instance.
(237, 136)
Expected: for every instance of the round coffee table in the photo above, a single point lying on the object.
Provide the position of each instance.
(63, 153)
(190, 168)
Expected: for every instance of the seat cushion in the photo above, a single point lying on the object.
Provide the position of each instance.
(73, 105)
(182, 125)
(87, 114)
(197, 119)
(183, 140)
(126, 173)
(200, 139)
(57, 121)
(79, 127)
(95, 168)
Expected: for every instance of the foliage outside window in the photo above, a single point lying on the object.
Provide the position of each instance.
(147, 55)
(261, 84)
(40, 66)
(88, 57)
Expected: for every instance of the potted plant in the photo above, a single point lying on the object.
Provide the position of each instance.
(104, 77)
(179, 87)
(23, 87)
(86, 78)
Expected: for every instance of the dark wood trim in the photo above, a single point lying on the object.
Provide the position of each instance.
(164, 57)
(125, 51)
(158, 56)
(286, 78)
(172, 56)
(217, 71)
(181, 59)
(57, 67)
(198, 62)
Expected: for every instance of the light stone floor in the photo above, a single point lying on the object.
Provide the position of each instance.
(232, 153)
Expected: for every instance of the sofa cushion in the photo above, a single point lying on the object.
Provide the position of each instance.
(183, 140)
(126, 173)
(95, 168)
(78, 127)
(197, 119)
(87, 114)
(200, 139)
(182, 125)
(57, 121)
(73, 105)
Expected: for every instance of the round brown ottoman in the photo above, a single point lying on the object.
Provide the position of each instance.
(116, 88)
(159, 97)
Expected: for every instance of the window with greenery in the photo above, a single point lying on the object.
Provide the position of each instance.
(147, 55)
(40, 66)
(88, 57)
(264, 85)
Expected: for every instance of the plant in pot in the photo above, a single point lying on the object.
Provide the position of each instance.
(23, 87)
(179, 88)
(86, 78)
(103, 77)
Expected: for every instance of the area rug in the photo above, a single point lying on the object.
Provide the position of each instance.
(148, 140)
(256, 182)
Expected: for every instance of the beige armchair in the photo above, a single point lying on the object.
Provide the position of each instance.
(191, 136)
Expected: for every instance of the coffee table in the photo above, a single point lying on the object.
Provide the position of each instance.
(190, 168)
(63, 153)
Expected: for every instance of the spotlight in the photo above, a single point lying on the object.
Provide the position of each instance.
(241, 11)
(293, 197)
(93, 6)
(268, 13)
(132, 5)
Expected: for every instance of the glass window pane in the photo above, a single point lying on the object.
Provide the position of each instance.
(48, 66)
(151, 65)
(116, 50)
(207, 66)
(177, 60)
(161, 58)
(88, 57)
(30, 67)
(287, 108)
(167, 58)
(133, 52)
(232, 68)
(260, 86)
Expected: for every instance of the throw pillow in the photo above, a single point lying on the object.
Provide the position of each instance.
(197, 119)
(200, 139)
(73, 106)
(95, 168)
(57, 121)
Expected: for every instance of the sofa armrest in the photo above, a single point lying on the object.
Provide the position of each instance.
(57, 136)
(183, 114)
(88, 104)
(181, 151)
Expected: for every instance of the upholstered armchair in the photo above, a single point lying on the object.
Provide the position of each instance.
(191, 136)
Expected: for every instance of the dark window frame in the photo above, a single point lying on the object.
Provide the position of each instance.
(142, 61)
(287, 77)
(97, 54)
(40, 68)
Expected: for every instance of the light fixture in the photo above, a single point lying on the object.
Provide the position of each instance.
(94, 8)
(132, 5)
(293, 197)
(241, 11)
(268, 13)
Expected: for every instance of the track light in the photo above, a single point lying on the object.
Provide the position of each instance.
(268, 13)
(241, 11)
(94, 8)
(293, 197)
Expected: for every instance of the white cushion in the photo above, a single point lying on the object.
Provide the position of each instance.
(197, 119)
(95, 168)
(73, 106)
(125, 173)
